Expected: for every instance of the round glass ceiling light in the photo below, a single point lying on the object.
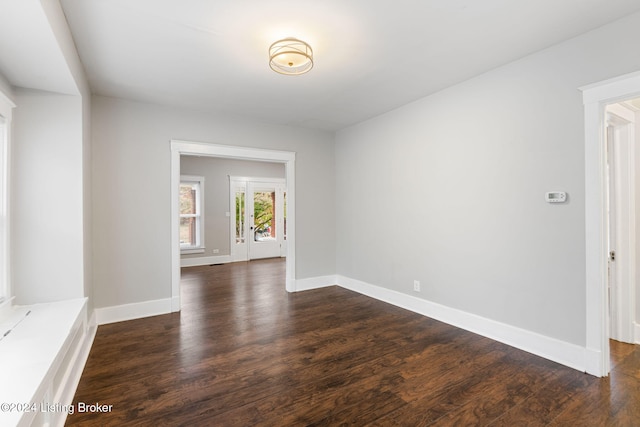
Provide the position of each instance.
(290, 56)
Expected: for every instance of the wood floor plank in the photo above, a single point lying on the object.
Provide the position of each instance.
(244, 352)
(546, 403)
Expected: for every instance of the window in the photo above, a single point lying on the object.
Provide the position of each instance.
(240, 213)
(6, 107)
(191, 214)
(4, 209)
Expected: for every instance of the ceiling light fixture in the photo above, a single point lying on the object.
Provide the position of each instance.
(290, 56)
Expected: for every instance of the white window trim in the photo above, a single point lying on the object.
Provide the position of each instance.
(6, 294)
(199, 247)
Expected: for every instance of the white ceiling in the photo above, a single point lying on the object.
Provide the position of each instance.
(30, 56)
(371, 56)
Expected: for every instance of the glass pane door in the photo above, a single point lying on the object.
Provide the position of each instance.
(264, 211)
(265, 219)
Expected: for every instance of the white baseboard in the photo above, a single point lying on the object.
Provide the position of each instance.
(120, 313)
(553, 349)
(637, 332)
(205, 260)
(315, 283)
(593, 363)
(175, 304)
(562, 352)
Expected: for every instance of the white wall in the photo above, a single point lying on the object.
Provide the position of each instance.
(131, 192)
(51, 176)
(87, 213)
(6, 88)
(216, 195)
(47, 220)
(62, 34)
(450, 189)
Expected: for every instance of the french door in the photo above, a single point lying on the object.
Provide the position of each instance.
(259, 218)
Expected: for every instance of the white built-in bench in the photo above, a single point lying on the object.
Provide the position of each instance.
(41, 361)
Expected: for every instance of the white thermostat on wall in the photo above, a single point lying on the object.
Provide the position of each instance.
(556, 197)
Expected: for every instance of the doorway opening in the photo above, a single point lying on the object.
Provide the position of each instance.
(596, 98)
(620, 150)
(189, 148)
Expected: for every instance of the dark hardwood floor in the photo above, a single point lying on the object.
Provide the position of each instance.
(244, 352)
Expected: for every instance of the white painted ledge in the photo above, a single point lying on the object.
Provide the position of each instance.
(41, 360)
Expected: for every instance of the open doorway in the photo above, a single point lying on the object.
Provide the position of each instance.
(596, 98)
(215, 210)
(621, 120)
(187, 148)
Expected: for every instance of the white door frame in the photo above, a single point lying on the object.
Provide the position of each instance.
(620, 123)
(191, 148)
(595, 98)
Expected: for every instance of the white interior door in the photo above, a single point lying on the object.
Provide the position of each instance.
(265, 208)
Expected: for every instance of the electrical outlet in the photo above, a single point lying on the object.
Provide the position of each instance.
(416, 285)
(216, 251)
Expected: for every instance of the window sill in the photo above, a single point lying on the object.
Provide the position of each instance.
(6, 308)
(191, 251)
(41, 359)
